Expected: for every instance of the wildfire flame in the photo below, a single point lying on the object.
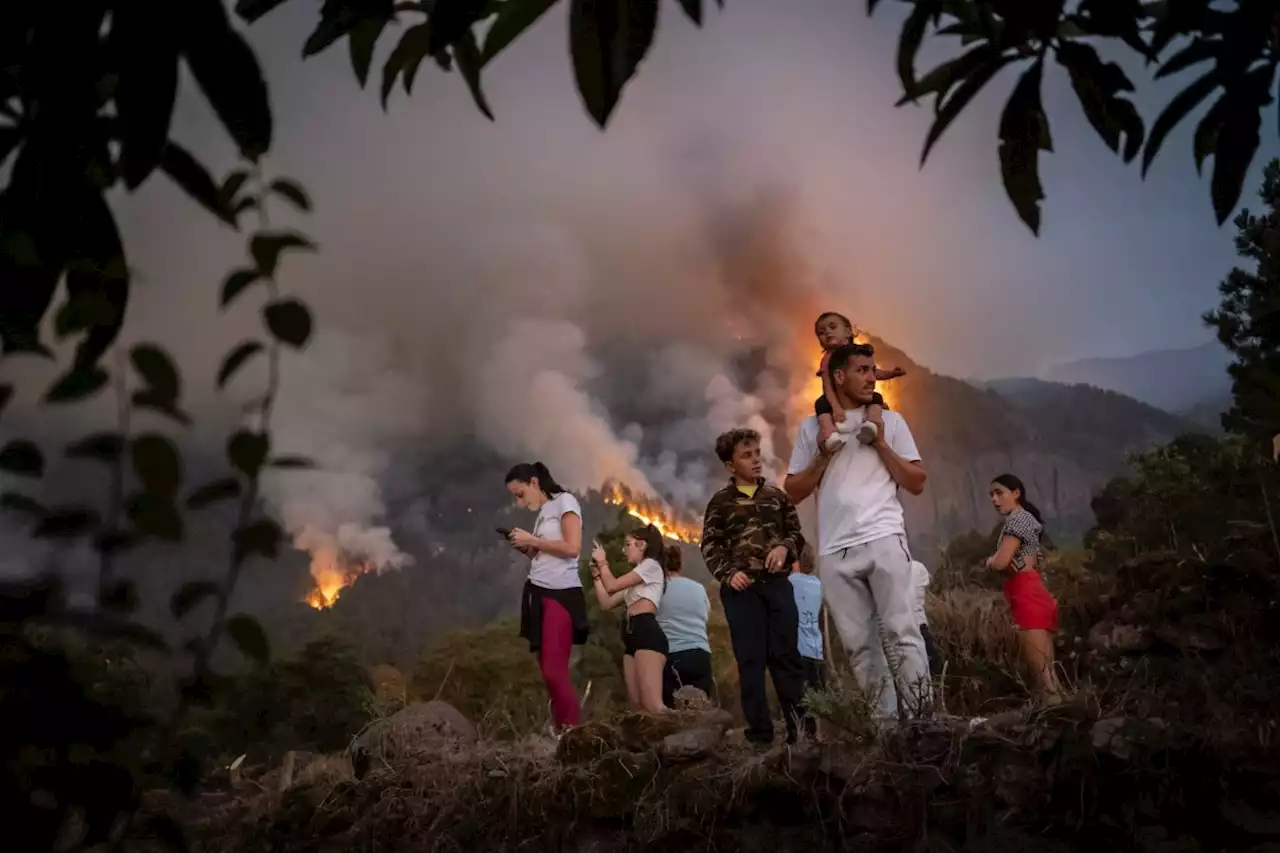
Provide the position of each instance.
(647, 510)
(333, 572)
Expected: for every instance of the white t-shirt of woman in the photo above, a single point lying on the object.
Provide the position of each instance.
(655, 581)
(550, 571)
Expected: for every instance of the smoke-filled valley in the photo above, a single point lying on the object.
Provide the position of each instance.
(557, 351)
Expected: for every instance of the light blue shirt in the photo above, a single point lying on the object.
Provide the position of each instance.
(808, 590)
(683, 615)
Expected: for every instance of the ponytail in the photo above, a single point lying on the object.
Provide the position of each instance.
(526, 472)
(1013, 484)
(674, 559)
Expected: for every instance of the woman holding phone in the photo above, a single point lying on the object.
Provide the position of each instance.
(553, 611)
(644, 644)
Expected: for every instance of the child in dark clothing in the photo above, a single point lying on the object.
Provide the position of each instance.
(835, 330)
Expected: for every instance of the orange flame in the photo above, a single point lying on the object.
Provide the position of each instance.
(647, 510)
(333, 573)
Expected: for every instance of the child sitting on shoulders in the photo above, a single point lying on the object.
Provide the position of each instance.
(834, 330)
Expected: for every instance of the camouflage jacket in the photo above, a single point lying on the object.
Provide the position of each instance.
(739, 531)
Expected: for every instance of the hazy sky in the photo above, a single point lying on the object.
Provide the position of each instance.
(793, 98)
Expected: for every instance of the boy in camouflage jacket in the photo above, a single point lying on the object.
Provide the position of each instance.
(750, 537)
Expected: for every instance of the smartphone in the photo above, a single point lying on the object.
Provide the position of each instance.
(504, 532)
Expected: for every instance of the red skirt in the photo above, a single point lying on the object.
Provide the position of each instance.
(1032, 606)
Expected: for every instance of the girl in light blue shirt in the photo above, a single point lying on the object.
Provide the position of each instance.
(683, 617)
(808, 592)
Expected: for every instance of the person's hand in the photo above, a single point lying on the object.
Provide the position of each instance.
(895, 372)
(739, 581)
(597, 554)
(875, 415)
(991, 563)
(776, 560)
(523, 538)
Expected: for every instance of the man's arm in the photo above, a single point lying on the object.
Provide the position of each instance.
(800, 485)
(909, 475)
(715, 540)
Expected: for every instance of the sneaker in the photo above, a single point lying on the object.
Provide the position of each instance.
(867, 432)
(834, 442)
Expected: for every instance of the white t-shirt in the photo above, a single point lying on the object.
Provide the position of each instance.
(858, 501)
(651, 589)
(548, 570)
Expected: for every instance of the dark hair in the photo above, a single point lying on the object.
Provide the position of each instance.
(729, 441)
(524, 472)
(1013, 484)
(806, 560)
(674, 559)
(841, 356)
(654, 547)
(825, 314)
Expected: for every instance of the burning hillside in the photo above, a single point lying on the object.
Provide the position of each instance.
(333, 571)
(682, 527)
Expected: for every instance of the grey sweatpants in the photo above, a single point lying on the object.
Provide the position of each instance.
(869, 591)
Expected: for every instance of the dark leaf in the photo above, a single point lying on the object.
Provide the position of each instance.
(252, 10)
(361, 42)
(1024, 133)
(97, 271)
(1206, 134)
(1097, 86)
(18, 502)
(1173, 113)
(261, 537)
(289, 321)
(237, 359)
(188, 596)
(1198, 51)
(940, 80)
(226, 70)
(103, 446)
(247, 451)
(82, 311)
(292, 192)
(146, 399)
(231, 188)
(210, 493)
(65, 523)
(156, 516)
(608, 40)
(120, 596)
(294, 462)
(265, 248)
(249, 637)
(147, 86)
(77, 384)
(158, 465)
(959, 99)
(1237, 139)
(909, 41)
(337, 19)
(467, 55)
(195, 181)
(10, 136)
(23, 458)
(237, 283)
(405, 57)
(157, 370)
(693, 8)
(451, 19)
(6, 394)
(516, 16)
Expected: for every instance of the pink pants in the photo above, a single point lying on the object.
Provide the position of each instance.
(553, 659)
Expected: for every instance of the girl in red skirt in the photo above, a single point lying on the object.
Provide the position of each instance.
(1035, 611)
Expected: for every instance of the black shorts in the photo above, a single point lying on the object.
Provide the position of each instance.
(642, 633)
(691, 667)
(822, 406)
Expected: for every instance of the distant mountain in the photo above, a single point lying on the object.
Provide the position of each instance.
(1175, 380)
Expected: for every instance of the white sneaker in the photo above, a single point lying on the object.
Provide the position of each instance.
(867, 432)
(834, 442)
